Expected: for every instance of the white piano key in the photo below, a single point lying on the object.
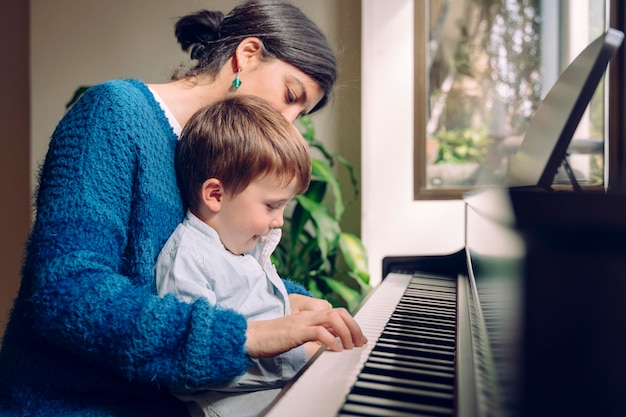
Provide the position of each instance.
(322, 389)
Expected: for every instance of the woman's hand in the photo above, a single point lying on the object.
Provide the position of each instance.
(333, 327)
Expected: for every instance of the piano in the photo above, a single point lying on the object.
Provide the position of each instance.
(527, 320)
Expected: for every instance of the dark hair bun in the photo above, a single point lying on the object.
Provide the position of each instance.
(198, 29)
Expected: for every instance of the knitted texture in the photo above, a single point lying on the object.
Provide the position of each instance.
(87, 336)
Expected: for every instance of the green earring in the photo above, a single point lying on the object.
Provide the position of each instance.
(236, 81)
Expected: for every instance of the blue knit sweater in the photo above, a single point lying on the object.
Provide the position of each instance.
(87, 336)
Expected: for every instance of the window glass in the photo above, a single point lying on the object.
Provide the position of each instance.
(487, 66)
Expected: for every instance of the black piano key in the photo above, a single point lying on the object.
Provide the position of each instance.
(419, 374)
(424, 321)
(411, 369)
(359, 410)
(418, 349)
(398, 360)
(413, 325)
(425, 331)
(439, 313)
(426, 305)
(383, 407)
(436, 354)
(443, 297)
(419, 337)
(436, 282)
(434, 299)
(403, 394)
(430, 305)
(403, 382)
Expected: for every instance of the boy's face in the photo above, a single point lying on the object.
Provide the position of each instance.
(253, 213)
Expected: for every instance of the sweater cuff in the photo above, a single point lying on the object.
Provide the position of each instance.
(216, 348)
(293, 288)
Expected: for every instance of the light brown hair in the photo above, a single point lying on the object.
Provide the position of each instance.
(238, 140)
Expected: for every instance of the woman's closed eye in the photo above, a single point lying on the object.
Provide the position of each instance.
(291, 97)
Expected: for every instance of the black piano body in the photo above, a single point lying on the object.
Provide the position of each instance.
(547, 273)
(540, 314)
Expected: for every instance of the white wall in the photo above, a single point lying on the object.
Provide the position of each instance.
(393, 224)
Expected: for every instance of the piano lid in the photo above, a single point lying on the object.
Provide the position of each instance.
(551, 129)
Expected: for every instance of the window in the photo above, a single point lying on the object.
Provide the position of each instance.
(482, 68)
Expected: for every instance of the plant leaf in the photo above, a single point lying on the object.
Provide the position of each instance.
(353, 180)
(298, 219)
(316, 190)
(77, 94)
(314, 289)
(354, 254)
(322, 171)
(326, 227)
(351, 297)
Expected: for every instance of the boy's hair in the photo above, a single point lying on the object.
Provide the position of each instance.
(238, 140)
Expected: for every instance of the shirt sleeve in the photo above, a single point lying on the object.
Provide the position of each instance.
(179, 271)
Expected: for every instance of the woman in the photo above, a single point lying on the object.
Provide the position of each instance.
(87, 335)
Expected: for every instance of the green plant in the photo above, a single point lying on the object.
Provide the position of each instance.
(314, 251)
(461, 146)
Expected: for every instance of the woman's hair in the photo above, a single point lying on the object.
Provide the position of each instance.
(287, 34)
(238, 140)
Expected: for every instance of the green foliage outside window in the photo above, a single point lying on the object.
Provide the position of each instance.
(461, 146)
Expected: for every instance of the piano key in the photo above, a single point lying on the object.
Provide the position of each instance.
(415, 351)
(423, 311)
(407, 368)
(365, 376)
(418, 337)
(446, 378)
(323, 386)
(422, 330)
(403, 394)
(358, 410)
(379, 407)
(410, 362)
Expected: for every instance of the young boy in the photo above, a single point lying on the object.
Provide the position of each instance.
(238, 163)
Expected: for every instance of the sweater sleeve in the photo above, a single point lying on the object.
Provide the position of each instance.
(85, 283)
(293, 288)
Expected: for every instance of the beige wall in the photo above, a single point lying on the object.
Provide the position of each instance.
(14, 148)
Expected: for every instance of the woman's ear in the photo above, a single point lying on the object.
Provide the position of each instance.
(248, 54)
(212, 194)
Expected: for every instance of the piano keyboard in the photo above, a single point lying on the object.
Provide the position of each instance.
(407, 368)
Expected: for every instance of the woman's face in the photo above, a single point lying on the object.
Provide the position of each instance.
(285, 87)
